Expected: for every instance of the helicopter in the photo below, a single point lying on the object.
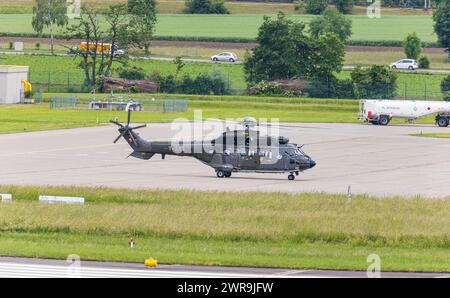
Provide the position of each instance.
(243, 150)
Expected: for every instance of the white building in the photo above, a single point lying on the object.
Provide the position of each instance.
(11, 87)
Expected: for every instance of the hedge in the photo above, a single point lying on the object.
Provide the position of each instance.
(373, 43)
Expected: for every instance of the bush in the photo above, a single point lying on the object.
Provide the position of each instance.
(315, 6)
(38, 46)
(266, 89)
(345, 6)
(215, 82)
(206, 7)
(332, 22)
(424, 62)
(376, 82)
(332, 88)
(133, 73)
(412, 46)
(134, 5)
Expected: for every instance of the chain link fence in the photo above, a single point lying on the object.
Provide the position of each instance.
(416, 87)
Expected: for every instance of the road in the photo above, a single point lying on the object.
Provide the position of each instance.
(43, 268)
(374, 160)
(199, 60)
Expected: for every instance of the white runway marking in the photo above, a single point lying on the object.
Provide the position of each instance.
(10, 270)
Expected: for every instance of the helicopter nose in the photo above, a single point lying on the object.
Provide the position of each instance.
(312, 163)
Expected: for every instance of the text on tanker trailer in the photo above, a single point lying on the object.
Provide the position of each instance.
(381, 112)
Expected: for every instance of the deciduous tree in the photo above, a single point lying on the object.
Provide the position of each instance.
(48, 14)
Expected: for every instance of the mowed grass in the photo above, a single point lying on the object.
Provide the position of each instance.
(246, 26)
(434, 135)
(26, 118)
(224, 228)
(63, 71)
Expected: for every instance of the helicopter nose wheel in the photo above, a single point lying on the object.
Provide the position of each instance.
(291, 177)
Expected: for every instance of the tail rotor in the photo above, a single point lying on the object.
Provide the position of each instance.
(127, 129)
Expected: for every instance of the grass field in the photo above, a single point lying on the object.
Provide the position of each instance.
(177, 6)
(26, 118)
(434, 135)
(258, 229)
(63, 71)
(20, 118)
(246, 26)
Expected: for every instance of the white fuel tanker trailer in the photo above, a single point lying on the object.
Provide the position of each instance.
(381, 112)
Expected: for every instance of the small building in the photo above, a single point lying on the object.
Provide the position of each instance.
(11, 83)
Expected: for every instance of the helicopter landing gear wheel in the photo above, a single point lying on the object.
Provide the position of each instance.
(291, 177)
(227, 174)
(220, 174)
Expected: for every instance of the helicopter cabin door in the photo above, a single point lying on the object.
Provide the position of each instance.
(249, 161)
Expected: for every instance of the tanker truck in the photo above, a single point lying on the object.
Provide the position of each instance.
(381, 112)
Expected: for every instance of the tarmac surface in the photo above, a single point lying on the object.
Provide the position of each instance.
(44, 268)
(374, 160)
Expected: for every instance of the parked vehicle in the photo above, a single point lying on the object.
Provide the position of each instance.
(224, 57)
(405, 64)
(381, 112)
(101, 47)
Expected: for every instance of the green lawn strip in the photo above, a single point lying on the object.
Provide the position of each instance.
(433, 135)
(225, 253)
(312, 230)
(39, 117)
(26, 118)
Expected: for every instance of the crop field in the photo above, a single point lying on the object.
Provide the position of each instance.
(178, 6)
(246, 26)
(313, 230)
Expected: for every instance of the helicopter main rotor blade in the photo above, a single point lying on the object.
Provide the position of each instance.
(119, 137)
(116, 123)
(140, 126)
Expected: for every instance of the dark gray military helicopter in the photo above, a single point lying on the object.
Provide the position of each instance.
(245, 150)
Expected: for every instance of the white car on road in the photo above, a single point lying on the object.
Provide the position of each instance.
(405, 64)
(224, 57)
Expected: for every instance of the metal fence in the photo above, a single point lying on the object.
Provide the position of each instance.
(63, 102)
(420, 87)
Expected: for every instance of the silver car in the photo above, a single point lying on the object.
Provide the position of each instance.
(405, 64)
(224, 57)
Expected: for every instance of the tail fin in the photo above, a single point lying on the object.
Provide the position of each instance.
(128, 133)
